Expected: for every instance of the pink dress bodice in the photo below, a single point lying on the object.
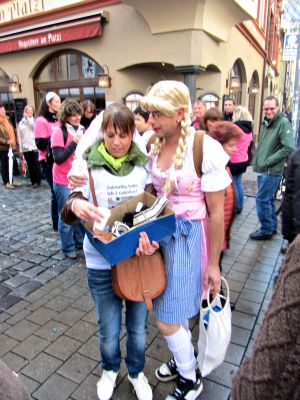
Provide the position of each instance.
(186, 198)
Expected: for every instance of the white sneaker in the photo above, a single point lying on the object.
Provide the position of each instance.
(141, 387)
(106, 384)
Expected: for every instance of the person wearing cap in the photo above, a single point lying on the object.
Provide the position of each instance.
(44, 125)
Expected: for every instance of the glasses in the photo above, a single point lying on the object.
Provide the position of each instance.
(155, 114)
(270, 109)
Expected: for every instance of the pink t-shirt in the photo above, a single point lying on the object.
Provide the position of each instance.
(241, 153)
(42, 130)
(60, 171)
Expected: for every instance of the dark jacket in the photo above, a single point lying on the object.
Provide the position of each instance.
(228, 116)
(273, 370)
(290, 211)
(276, 143)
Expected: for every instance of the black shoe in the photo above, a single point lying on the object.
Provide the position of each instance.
(258, 235)
(186, 389)
(167, 371)
(284, 246)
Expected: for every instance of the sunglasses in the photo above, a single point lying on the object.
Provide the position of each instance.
(155, 114)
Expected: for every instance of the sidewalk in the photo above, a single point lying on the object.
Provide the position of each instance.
(48, 331)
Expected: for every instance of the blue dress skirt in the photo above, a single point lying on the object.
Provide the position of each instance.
(182, 253)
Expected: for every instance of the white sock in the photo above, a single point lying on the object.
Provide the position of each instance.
(186, 326)
(182, 349)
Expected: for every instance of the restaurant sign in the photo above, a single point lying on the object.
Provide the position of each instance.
(52, 35)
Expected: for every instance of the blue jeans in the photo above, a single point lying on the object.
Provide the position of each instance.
(238, 193)
(267, 186)
(47, 172)
(109, 316)
(70, 236)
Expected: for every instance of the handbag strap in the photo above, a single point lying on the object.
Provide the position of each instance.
(198, 151)
(145, 291)
(92, 186)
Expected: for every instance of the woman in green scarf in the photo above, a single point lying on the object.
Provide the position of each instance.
(119, 171)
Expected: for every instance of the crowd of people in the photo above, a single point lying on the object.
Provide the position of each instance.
(153, 148)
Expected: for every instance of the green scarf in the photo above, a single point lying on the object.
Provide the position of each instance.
(99, 158)
(116, 163)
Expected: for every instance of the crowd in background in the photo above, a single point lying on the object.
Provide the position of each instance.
(164, 125)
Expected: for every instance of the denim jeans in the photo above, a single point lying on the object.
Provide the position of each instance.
(47, 172)
(70, 236)
(238, 193)
(109, 316)
(267, 186)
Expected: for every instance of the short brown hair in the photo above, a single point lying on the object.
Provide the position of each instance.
(270, 98)
(213, 114)
(223, 131)
(119, 117)
(68, 108)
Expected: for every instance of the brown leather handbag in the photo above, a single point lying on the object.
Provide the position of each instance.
(140, 278)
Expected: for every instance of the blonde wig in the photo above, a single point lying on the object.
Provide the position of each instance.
(167, 97)
(241, 114)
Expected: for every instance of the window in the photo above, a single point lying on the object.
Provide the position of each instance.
(132, 100)
(210, 100)
(70, 74)
(235, 83)
(253, 91)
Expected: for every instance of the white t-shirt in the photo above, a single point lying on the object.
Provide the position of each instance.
(110, 190)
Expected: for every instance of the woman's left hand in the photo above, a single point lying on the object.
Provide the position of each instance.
(145, 247)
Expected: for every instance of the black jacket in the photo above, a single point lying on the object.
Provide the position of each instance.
(291, 199)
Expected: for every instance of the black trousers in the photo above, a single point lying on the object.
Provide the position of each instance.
(4, 166)
(34, 167)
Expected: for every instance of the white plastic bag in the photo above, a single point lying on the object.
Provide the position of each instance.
(214, 333)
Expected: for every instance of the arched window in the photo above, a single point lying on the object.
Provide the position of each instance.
(253, 91)
(235, 83)
(210, 100)
(132, 100)
(70, 73)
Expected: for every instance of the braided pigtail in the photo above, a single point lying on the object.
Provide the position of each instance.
(179, 154)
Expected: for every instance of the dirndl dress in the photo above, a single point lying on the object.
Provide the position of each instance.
(182, 254)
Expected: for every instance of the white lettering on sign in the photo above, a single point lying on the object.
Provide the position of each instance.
(50, 38)
(25, 44)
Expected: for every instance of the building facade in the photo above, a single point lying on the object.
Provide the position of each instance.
(217, 47)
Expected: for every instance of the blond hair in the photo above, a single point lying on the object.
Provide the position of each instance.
(241, 114)
(167, 97)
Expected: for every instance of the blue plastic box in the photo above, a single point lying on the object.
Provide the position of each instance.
(124, 246)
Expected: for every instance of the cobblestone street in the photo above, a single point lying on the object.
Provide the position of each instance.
(48, 331)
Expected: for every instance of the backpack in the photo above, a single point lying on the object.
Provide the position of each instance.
(198, 151)
(49, 155)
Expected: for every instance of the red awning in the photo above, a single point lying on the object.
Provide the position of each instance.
(84, 28)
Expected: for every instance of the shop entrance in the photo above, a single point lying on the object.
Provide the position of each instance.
(69, 73)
